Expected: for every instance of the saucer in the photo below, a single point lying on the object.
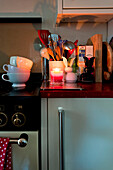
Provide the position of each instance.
(18, 85)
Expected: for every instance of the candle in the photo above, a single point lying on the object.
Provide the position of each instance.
(56, 75)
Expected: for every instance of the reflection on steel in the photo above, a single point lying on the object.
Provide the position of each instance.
(60, 113)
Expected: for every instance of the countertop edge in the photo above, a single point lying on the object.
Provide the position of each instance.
(94, 90)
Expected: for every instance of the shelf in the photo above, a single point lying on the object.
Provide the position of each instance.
(84, 18)
(20, 20)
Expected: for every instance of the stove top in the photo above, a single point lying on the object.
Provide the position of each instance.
(31, 89)
(15, 111)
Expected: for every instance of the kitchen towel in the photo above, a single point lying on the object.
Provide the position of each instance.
(5, 154)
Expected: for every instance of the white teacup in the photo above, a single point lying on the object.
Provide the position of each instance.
(18, 79)
(12, 69)
(21, 62)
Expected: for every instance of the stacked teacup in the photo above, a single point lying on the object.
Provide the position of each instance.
(18, 71)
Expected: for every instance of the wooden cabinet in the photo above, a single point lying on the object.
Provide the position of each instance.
(87, 133)
(82, 11)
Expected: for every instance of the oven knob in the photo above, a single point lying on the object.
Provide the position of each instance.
(18, 119)
(3, 119)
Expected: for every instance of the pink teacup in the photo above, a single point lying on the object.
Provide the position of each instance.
(21, 62)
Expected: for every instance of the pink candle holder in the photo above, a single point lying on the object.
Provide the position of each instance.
(57, 75)
(56, 71)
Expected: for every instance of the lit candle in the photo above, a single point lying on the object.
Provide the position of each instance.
(57, 75)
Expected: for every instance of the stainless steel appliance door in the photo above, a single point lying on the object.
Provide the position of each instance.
(24, 158)
(87, 134)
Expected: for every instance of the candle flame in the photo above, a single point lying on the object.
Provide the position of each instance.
(56, 69)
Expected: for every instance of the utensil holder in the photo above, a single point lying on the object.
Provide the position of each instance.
(45, 68)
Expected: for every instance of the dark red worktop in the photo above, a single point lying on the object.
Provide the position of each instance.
(90, 90)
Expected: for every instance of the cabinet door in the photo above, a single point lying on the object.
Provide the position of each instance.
(87, 4)
(88, 134)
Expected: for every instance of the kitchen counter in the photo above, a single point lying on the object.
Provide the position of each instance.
(77, 90)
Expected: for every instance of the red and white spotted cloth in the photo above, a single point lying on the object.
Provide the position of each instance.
(5, 154)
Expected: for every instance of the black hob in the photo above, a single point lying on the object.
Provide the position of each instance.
(20, 109)
(31, 89)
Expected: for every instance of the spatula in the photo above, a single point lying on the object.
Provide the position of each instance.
(52, 46)
(43, 35)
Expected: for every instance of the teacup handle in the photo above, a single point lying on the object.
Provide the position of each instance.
(4, 67)
(3, 77)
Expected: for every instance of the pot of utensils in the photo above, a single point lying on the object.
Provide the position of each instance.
(18, 71)
(53, 57)
(51, 51)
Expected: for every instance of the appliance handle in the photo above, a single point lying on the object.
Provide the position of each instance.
(21, 141)
(61, 156)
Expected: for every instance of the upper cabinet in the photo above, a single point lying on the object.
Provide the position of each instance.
(87, 4)
(84, 11)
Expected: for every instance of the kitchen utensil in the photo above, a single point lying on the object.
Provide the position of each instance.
(21, 62)
(71, 61)
(107, 61)
(38, 44)
(45, 68)
(54, 37)
(51, 55)
(70, 52)
(12, 69)
(52, 46)
(68, 45)
(60, 44)
(65, 61)
(44, 53)
(18, 79)
(45, 63)
(97, 51)
(43, 35)
(57, 50)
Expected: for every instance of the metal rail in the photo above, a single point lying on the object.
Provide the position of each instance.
(61, 156)
(21, 141)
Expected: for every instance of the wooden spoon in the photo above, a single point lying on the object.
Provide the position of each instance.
(58, 56)
(57, 51)
(44, 53)
(50, 52)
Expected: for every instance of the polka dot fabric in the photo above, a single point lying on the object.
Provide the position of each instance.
(5, 154)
